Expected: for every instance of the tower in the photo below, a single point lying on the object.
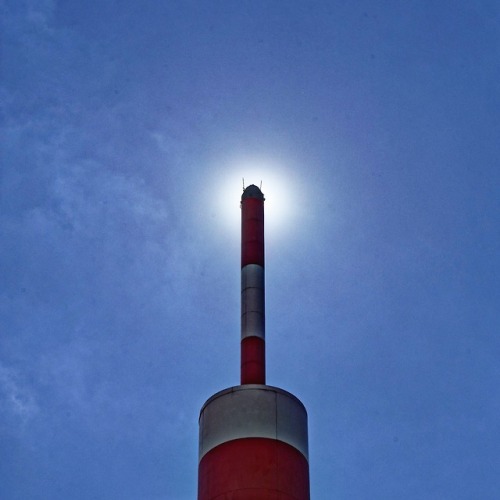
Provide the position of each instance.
(253, 442)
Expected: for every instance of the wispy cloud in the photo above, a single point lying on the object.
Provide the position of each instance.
(17, 400)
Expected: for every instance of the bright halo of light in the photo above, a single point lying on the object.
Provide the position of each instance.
(273, 180)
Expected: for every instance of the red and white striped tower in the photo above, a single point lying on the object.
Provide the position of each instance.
(253, 437)
(253, 324)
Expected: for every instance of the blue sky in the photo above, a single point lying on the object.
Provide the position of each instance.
(126, 130)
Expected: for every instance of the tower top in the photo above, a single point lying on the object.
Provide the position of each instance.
(252, 191)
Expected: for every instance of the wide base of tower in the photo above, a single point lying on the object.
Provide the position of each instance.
(253, 445)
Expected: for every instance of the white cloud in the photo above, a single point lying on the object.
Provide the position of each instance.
(16, 398)
(40, 13)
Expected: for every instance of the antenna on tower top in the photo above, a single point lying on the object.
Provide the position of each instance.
(243, 180)
(260, 185)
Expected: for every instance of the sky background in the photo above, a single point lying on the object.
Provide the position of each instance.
(126, 130)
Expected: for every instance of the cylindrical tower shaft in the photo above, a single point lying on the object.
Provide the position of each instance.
(253, 367)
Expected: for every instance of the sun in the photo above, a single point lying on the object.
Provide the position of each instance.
(273, 180)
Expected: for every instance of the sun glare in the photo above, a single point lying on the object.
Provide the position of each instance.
(274, 182)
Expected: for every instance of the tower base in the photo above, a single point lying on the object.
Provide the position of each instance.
(253, 445)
